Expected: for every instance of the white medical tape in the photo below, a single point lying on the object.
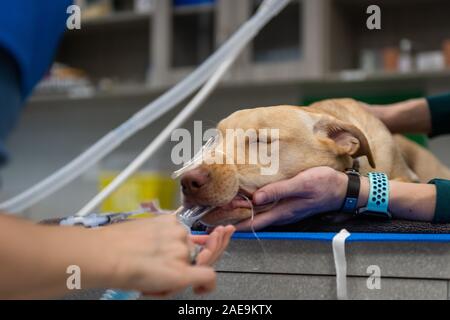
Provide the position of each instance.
(340, 263)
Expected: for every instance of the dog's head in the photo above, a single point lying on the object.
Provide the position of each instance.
(292, 138)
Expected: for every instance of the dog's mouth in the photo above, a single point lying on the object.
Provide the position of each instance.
(238, 209)
(242, 198)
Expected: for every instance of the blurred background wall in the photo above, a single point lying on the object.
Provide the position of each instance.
(128, 52)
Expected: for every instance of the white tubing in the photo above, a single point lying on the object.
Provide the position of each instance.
(340, 263)
(162, 138)
(147, 115)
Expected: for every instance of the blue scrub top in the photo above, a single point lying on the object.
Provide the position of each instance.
(30, 31)
(29, 34)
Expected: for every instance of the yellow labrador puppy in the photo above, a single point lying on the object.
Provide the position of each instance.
(328, 133)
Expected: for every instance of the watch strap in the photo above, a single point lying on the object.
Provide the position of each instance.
(352, 194)
(378, 199)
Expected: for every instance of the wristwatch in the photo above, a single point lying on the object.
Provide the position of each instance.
(378, 199)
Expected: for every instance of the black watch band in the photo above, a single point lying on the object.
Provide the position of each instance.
(351, 198)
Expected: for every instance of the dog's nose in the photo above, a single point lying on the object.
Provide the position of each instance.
(194, 179)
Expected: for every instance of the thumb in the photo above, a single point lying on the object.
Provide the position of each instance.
(277, 191)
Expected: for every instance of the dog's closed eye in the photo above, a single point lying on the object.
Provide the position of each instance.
(263, 139)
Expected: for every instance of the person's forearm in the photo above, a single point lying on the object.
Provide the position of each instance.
(410, 201)
(411, 116)
(34, 259)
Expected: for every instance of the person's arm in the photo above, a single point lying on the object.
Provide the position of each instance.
(439, 106)
(411, 116)
(430, 115)
(402, 205)
(323, 189)
(34, 259)
(149, 255)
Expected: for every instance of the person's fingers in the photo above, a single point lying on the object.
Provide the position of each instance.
(226, 236)
(229, 230)
(214, 250)
(199, 239)
(213, 241)
(180, 250)
(209, 252)
(225, 240)
(204, 257)
(201, 276)
(219, 231)
(278, 190)
(217, 250)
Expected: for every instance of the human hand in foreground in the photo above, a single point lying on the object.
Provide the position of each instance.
(153, 256)
(148, 255)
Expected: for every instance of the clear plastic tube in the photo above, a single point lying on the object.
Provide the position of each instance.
(147, 115)
(208, 147)
(162, 138)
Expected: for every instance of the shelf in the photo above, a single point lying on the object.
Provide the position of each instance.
(123, 91)
(424, 23)
(119, 91)
(115, 46)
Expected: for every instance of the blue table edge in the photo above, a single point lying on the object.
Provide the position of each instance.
(354, 237)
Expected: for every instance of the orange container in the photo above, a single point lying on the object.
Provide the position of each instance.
(390, 58)
(446, 52)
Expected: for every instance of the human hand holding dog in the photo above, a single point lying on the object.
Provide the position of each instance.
(312, 191)
(323, 189)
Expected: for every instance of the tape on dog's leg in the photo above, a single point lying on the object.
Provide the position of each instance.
(340, 263)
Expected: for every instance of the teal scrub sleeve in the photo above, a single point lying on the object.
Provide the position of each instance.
(442, 210)
(440, 114)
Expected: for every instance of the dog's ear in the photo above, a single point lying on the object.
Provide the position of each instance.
(344, 138)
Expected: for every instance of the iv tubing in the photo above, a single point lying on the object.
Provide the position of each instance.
(162, 138)
(51, 184)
